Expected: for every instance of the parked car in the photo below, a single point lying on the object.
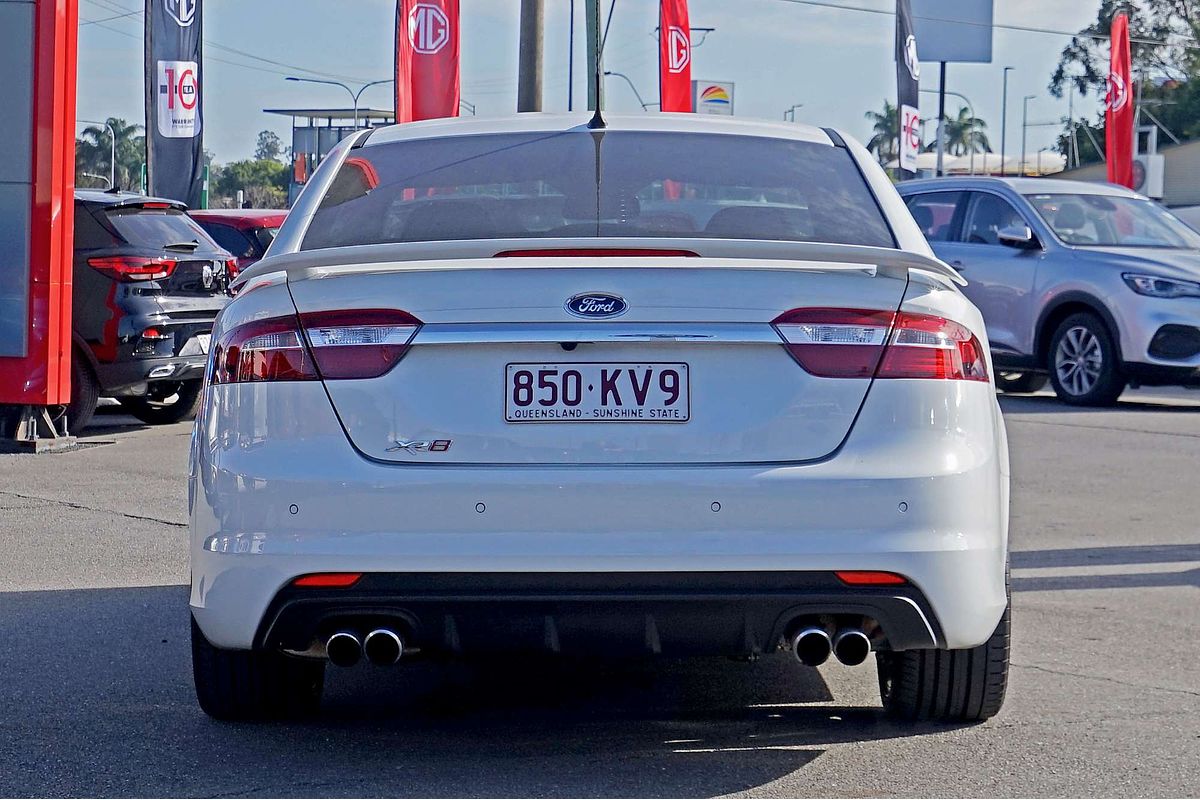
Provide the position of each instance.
(676, 384)
(148, 283)
(245, 232)
(1091, 284)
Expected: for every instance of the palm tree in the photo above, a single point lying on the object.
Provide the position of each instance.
(885, 143)
(964, 134)
(93, 152)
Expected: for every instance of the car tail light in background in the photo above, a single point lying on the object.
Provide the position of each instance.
(859, 343)
(331, 345)
(232, 267)
(133, 268)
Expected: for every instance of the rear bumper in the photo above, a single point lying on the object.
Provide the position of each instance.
(130, 377)
(920, 488)
(673, 613)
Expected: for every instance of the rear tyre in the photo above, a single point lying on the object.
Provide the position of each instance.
(1085, 367)
(165, 403)
(250, 685)
(85, 394)
(947, 685)
(1020, 382)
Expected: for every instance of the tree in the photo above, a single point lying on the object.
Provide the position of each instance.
(885, 143)
(93, 154)
(263, 183)
(965, 134)
(269, 147)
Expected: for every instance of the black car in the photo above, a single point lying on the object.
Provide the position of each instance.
(148, 282)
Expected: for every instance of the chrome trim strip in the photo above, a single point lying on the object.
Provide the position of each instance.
(556, 332)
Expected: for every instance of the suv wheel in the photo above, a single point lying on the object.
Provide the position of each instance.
(165, 402)
(947, 685)
(246, 684)
(85, 394)
(1020, 382)
(1085, 367)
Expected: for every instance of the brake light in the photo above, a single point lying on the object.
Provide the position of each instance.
(132, 268)
(156, 205)
(232, 268)
(358, 343)
(618, 252)
(870, 578)
(328, 580)
(860, 343)
(333, 345)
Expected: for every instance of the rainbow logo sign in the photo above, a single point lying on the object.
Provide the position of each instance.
(713, 98)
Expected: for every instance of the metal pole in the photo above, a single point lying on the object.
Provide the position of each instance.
(1024, 126)
(1004, 120)
(941, 126)
(112, 160)
(636, 93)
(970, 110)
(571, 60)
(529, 77)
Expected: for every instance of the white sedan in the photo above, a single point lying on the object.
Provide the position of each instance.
(668, 384)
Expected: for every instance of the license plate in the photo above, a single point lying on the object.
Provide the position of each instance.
(197, 345)
(597, 392)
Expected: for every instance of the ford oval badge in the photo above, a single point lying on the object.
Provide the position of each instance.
(597, 305)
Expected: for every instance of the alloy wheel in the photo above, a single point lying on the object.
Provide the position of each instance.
(1078, 360)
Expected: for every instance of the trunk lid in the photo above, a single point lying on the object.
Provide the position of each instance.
(693, 348)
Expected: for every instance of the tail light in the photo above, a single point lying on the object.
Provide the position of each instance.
(232, 267)
(132, 268)
(858, 343)
(330, 345)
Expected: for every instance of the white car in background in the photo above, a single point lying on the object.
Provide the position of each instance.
(668, 385)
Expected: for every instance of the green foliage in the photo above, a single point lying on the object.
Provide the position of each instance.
(269, 147)
(885, 142)
(965, 134)
(263, 182)
(93, 155)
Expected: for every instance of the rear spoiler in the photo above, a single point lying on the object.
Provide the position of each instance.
(737, 253)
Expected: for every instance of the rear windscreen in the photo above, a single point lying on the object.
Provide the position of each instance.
(587, 184)
(151, 227)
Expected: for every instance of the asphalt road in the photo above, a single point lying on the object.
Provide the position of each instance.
(96, 696)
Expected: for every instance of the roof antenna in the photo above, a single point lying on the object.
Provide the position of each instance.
(596, 63)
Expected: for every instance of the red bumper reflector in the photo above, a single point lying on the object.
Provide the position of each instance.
(862, 578)
(328, 580)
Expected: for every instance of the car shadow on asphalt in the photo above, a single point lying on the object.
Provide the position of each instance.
(1126, 555)
(1048, 404)
(97, 691)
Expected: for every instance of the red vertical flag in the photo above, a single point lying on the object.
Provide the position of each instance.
(1118, 107)
(427, 78)
(674, 56)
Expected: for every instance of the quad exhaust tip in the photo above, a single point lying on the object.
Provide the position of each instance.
(811, 646)
(851, 646)
(343, 649)
(383, 647)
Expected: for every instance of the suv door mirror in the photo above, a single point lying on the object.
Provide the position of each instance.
(1018, 236)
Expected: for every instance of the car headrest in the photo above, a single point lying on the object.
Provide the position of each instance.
(759, 222)
(923, 216)
(1071, 217)
(450, 219)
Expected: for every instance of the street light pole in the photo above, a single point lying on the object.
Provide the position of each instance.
(1024, 124)
(636, 93)
(112, 161)
(1004, 119)
(354, 96)
(791, 112)
(970, 110)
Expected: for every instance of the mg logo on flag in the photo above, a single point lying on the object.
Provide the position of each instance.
(679, 49)
(428, 28)
(1118, 93)
(182, 11)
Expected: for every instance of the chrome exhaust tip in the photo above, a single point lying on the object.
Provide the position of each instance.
(383, 647)
(811, 646)
(343, 649)
(851, 646)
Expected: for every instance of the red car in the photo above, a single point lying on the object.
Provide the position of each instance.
(245, 232)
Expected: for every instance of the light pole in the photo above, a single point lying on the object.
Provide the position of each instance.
(971, 111)
(112, 163)
(791, 112)
(1004, 119)
(353, 94)
(1024, 123)
(636, 93)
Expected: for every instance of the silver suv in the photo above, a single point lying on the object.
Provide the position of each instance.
(1090, 284)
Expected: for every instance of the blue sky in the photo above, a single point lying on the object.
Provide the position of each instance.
(838, 63)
